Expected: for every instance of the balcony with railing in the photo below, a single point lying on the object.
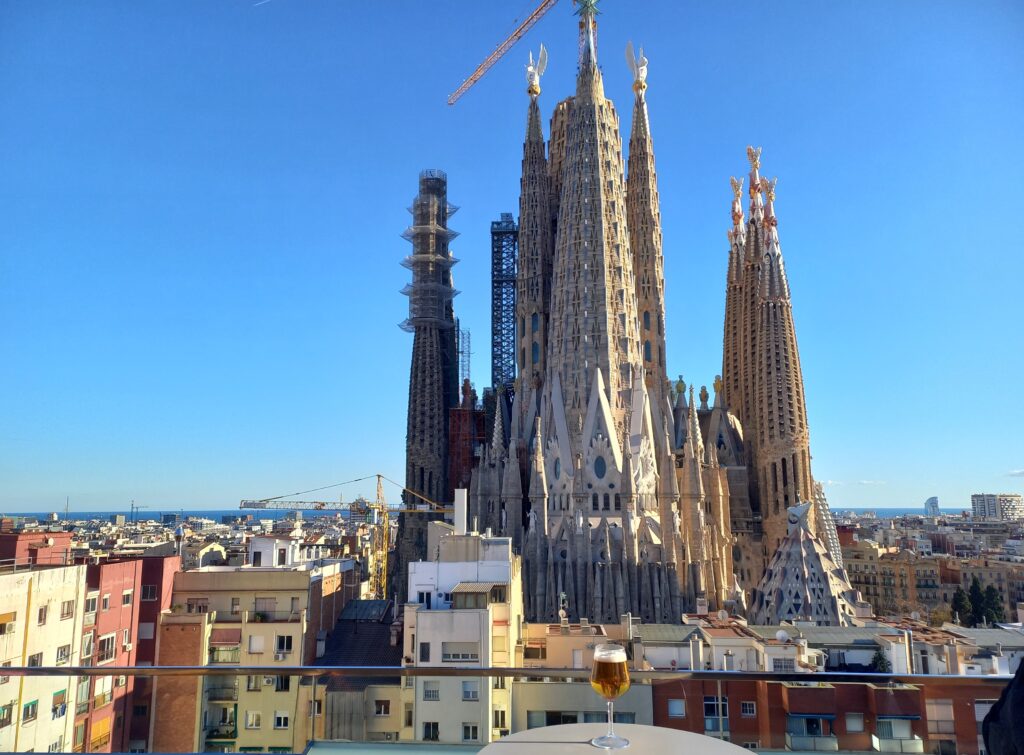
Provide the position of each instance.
(840, 712)
(891, 744)
(811, 743)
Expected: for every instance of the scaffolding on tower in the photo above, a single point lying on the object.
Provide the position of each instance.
(504, 256)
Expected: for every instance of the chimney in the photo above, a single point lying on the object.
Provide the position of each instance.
(728, 661)
(696, 654)
(394, 635)
(460, 511)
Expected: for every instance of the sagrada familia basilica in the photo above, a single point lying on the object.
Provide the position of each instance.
(623, 491)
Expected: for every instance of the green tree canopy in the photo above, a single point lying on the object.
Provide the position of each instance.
(977, 597)
(993, 610)
(962, 606)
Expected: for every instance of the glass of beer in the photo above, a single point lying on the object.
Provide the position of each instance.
(610, 679)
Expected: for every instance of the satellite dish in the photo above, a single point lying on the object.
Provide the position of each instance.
(49, 541)
(723, 615)
(782, 635)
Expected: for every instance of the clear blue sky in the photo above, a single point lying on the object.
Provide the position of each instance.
(202, 202)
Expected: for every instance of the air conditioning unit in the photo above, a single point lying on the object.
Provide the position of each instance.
(268, 680)
(128, 647)
(280, 656)
(122, 680)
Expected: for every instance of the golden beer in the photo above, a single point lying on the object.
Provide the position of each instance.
(610, 675)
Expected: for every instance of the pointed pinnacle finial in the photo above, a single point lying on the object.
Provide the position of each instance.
(754, 156)
(769, 190)
(638, 66)
(737, 207)
(535, 70)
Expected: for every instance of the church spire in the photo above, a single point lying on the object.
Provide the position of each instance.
(643, 216)
(587, 12)
(536, 250)
(756, 200)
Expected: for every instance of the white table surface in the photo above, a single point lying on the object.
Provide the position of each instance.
(575, 738)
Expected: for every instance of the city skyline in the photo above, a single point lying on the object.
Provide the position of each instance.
(190, 176)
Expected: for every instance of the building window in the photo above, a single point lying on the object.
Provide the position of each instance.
(43, 610)
(282, 556)
(254, 683)
(783, 665)
(5, 679)
(7, 627)
(716, 714)
(748, 709)
(127, 597)
(283, 684)
(257, 558)
(107, 649)
(316, 708)
(854, 723)
(193, 605)
(67, 609)
(253, 719)
(424, 652)
(236, 606)
(677, 708)
(57, 745)
(499, 718)
(6, 715)
(280, 719)
(58, 706)
(431, 691)
(460, 651)
(940, 716)
(499, 682)
(87, 642)
(90, 604)
(106, 602)
(63, 654)
(471, 690)
(255, 644)
(430, 731)
(283, 644)
(30, 712)
(535, 653)
(408, 714)
(382, 707)
(36, 659)
(470, 732)
(148, 592)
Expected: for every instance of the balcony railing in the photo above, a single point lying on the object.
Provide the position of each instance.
(102, 699)
(222, 694)
(911, 744)
(804, 742)
(895, 696)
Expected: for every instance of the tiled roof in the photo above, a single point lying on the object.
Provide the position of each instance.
(366, 610)
(361, 643)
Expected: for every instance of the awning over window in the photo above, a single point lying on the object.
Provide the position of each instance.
(226, 636)
(829, 716)
(471, 587)
(7, 618)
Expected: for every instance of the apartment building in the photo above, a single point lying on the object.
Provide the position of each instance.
(539, 701)
(34, 546)
(154, 598)
(103, 705)
(466, 612)
(272, 616)
(1001, 506)
(40, 625)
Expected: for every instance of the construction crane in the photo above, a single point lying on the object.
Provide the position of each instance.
(380, 530)
(501, 49)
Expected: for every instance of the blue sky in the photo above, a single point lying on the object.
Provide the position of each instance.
(202, 202)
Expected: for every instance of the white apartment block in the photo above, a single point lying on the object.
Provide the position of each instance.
(468, 614)
(1001, 506)
(40, 625)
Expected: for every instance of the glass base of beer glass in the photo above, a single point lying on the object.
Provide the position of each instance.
(610, 742)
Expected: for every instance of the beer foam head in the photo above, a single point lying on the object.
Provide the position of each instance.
(610, 653)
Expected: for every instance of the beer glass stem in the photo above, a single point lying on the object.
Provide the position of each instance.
(611, 719)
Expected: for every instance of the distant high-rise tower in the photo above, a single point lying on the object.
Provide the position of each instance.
(433, 378)
(504, 243)
(931, 506)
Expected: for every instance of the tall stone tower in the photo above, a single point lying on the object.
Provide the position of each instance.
(591, 448)
(643, 214)
(433, 378)
(762, 377)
